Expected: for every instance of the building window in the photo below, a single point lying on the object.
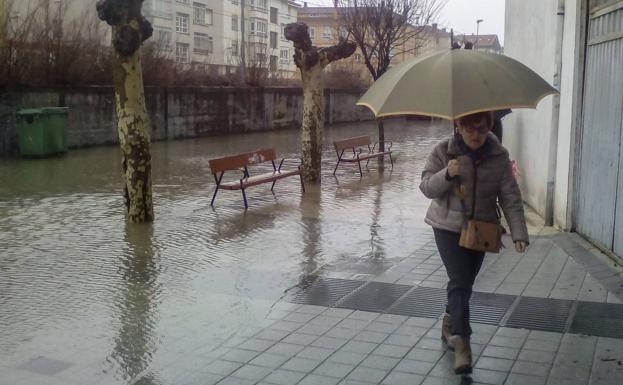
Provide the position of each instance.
(181, 23)
(262, 4)
(234, 22)
(357, 57)
(312, 32)
(181, 53)
(184, 1)
(202, 14)
(258, 51)
(203, 43)
(273, 40)
(160, 8)
(283, 32)
(162, 37)
(273, 15)
(273, 63)
(284, 55)
(327, 33)
(342, 31)
(259, 27)
(234, 48)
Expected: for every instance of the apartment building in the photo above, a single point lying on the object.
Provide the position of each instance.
(324, 30)
(210, 32)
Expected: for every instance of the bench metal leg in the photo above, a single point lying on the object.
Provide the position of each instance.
(214, 196)
(360, 172)
(338, 163)
(302, 183)
(273, 185)
(244, 196)
(391, 160)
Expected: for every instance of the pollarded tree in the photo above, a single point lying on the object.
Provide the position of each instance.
(311, 61)
(383, 29)
(130, 29)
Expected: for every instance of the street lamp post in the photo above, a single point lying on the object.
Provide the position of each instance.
(477, 30)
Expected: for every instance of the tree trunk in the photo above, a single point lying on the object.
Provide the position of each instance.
(313, 122)
(311, 61)
(130, 29)
(133, 128)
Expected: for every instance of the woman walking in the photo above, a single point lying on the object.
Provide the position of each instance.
(465, 176)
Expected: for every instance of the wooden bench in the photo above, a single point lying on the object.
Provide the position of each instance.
(241, 162)
(361, 150)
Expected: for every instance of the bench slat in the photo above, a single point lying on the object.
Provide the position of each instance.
(234, 162)
(365, 156)
(356, 141)
(258, 179)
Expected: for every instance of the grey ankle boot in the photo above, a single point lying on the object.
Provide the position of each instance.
(462, 354)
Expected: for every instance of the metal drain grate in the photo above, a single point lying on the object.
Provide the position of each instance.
(591, 318)
(325, 291)
(540, 314)
(598, 319)
(425, 302)
(489, 308)
(375, 296)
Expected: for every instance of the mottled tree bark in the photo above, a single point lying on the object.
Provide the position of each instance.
(130, 29)
(311, 61)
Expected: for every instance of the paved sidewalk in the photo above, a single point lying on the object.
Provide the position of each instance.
(559, 282)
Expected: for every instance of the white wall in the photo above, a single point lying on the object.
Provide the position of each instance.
(531, 38)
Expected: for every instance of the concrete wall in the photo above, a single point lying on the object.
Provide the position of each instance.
(570, 106)
(531, 37)
(176, 112)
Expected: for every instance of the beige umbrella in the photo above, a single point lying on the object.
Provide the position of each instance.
(454, 83)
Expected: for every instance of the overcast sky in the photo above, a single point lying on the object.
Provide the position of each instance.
(462, 15)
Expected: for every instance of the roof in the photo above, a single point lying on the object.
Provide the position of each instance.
(484, 40)
(326, 10)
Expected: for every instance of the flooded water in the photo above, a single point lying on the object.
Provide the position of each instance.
(110, 300)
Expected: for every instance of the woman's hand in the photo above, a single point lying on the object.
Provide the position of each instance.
(521, 246)
(453, 168)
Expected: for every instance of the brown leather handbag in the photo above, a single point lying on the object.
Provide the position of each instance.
(479, 235)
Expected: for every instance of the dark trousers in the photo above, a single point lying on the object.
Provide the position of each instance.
(462, 266)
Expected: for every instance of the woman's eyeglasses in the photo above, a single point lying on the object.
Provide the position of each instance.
(481, 128)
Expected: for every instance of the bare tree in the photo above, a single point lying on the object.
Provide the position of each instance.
(311, 61)
(130, 29)
(259, 68)
(383, 29)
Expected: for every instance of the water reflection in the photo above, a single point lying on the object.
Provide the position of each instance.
(239, 224)
(135, 342)
(377, 249)
(311, 258)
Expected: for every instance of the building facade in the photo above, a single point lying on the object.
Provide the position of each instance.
(210, 32)
(569, 149)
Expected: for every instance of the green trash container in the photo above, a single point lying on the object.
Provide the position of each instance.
(42, 131)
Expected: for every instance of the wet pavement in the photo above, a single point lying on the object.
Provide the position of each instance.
(217, 295)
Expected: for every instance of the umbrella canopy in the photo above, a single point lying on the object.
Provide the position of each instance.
(454, 83)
